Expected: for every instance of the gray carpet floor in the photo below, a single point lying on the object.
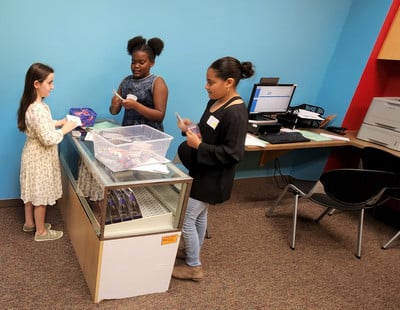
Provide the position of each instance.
(247, 261)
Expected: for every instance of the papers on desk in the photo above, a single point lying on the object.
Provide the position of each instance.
(254, 141)
(321, 136)
(313, 136)
(335, 137)
(301, 113)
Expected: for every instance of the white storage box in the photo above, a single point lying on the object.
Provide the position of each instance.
(381, 123)
(125, 148)
(384, 112)
(379, 135)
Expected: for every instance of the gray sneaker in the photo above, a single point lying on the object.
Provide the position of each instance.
(33, 228)
(50, 235)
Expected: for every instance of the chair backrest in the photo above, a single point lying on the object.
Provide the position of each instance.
(393, 193)
(356, 186)
(376, 159)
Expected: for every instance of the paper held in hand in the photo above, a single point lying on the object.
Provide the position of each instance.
(75, 119)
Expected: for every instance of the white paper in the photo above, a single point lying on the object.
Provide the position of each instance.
(158, 168)
(309, 115)
(334, 137)
(75, 119)
(89, 136)
(253, 141)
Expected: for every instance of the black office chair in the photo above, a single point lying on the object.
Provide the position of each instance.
(391, 193)
(340, 189)
(377, 159)
(374, 158)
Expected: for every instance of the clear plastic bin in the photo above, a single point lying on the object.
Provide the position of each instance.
(125, 148)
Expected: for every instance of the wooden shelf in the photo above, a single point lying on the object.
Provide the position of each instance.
(391, 47)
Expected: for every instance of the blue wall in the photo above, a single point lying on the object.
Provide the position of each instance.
(320, 45)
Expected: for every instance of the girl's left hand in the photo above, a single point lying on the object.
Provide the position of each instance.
(129, 103)
(192, 139)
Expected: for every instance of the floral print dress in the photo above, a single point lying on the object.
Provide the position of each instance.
(40, 174)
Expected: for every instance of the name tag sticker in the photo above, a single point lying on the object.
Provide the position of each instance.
(212, 122)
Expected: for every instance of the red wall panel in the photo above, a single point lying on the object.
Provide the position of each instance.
(380, 78)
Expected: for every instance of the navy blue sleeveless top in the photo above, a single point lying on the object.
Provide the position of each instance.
(143, 90)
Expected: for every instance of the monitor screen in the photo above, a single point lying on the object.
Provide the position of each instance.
(271, 99)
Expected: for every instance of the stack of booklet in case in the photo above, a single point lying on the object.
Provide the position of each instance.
(122, 206)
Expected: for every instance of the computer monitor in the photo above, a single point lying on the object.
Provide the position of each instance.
(270, 99)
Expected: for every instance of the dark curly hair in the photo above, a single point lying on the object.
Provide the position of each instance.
(153, 47)
(230, 67)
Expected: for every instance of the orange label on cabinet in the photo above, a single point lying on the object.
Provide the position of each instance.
(169, 239)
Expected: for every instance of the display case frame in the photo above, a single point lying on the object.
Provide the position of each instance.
(150, 242)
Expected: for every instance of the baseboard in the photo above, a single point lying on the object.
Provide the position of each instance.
(11, 203)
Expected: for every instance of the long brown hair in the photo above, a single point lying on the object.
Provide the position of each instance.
(36, 72)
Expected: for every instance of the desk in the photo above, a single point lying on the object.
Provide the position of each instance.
(271, 151)
(352, 135)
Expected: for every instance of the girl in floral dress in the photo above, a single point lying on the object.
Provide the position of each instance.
(40, 174)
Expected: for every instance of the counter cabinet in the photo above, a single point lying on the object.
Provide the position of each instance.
(120, 255)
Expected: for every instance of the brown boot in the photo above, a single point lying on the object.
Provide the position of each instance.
(186, 272)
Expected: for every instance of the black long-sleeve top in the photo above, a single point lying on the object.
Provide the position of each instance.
(212, 166)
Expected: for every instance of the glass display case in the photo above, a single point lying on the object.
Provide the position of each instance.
(132, 217)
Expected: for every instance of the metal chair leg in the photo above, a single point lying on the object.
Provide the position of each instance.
(360, 231)
(391, 240)
(272, 208)
(331, 212)
(293, 241)
(327, 211)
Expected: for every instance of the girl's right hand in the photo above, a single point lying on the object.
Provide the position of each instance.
(183, 124)
(69, 126)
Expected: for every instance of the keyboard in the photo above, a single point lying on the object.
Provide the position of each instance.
(283, 137)
(260, 117)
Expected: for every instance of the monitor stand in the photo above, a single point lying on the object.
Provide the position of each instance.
(266, 127)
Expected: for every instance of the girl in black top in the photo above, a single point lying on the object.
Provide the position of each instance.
(212, 155)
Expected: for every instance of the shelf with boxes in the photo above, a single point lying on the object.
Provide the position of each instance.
(105, 227)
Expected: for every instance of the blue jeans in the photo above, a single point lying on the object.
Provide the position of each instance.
(194, 230)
